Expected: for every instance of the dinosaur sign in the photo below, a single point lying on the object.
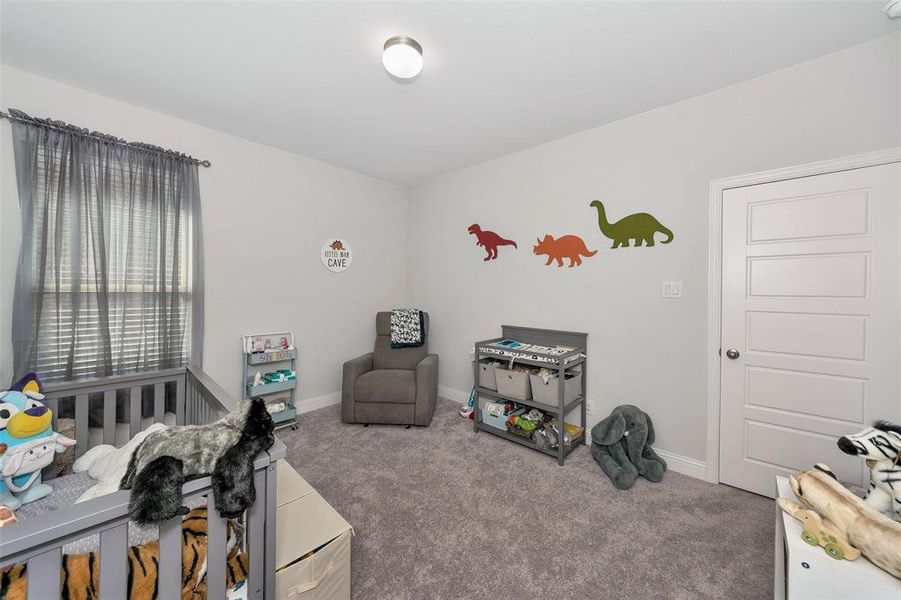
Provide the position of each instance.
(336, 255)
(489, 241)
(639, 227)
(567, 246)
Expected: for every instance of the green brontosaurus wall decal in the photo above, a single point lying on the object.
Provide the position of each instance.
(638, 227)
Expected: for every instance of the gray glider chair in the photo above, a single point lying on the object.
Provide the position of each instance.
(391, 385)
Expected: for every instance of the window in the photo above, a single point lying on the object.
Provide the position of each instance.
(112, 271)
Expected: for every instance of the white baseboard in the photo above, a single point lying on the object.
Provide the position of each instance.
(453, 394)
(685, 465)
(308, 404)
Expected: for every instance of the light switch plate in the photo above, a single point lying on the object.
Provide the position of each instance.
(671, 289)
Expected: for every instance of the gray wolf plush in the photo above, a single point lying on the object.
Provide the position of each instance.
(224, 449)
(880, 445)
(621, 444)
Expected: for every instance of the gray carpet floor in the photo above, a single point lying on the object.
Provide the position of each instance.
(441, 512)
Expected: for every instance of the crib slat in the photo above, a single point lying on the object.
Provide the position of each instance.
(134, 412)
(81, 424)
(113, 568)
(109, 417)
(169, 584)
(215, 553)
(49, 471)
(41, 583)
(256, 539)
(53, 405)
(180, 400)
(159, 402)
(269, 497)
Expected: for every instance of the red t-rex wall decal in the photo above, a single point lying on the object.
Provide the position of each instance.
(489, 240)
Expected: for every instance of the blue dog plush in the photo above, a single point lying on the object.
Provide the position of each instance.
(27, 443)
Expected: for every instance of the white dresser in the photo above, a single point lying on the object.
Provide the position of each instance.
(807, 572)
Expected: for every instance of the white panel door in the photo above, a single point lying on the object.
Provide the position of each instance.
(810, 322)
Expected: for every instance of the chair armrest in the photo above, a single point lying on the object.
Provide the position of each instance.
(352, 369)
(426, 389)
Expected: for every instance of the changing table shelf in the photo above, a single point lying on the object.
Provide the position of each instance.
(560, 361)
(530, 444)
(554, 410)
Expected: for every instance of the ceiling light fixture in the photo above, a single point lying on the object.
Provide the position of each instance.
(893, 9)
(402, 57)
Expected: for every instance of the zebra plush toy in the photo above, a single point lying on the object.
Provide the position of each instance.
(881, 446)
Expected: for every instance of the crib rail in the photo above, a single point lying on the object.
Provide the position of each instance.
(80, 392)
(39, 542)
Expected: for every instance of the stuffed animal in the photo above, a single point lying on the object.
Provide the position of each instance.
(107, 464)
(621, 444)
(224, 449)
(881, 445)
(30, 443)
(80, 576)
(872, 533)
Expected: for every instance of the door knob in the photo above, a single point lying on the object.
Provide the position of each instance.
(732, 354)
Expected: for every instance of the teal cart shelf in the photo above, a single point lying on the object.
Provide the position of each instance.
(263, 352)
(285, 418)
(268, 358)
(270, 388)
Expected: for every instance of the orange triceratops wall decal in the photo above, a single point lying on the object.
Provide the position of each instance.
(568, 246)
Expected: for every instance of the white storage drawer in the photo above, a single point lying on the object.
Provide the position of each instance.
(305, 522)
(322, 576)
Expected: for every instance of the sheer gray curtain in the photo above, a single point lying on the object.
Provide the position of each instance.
(110, 270)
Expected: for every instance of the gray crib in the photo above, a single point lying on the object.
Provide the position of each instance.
(194, 398)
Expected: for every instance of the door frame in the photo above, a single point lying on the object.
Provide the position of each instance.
(715, 267)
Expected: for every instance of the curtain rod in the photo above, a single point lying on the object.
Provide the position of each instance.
(103, 138)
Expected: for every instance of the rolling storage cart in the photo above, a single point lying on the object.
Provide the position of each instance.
(568, 359)
(272, 358)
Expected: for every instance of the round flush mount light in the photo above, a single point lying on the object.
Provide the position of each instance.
(402, 57)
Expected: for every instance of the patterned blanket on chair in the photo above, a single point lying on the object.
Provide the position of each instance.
(407, 328)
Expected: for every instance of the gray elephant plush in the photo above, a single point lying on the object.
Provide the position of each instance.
(621, 444)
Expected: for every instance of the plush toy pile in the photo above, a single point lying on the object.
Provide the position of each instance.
(27, 443)
(224, 449)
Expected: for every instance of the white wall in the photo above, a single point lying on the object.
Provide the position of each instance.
(265, 215)
(643, 349)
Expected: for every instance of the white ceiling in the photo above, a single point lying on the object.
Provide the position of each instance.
(498, 77)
